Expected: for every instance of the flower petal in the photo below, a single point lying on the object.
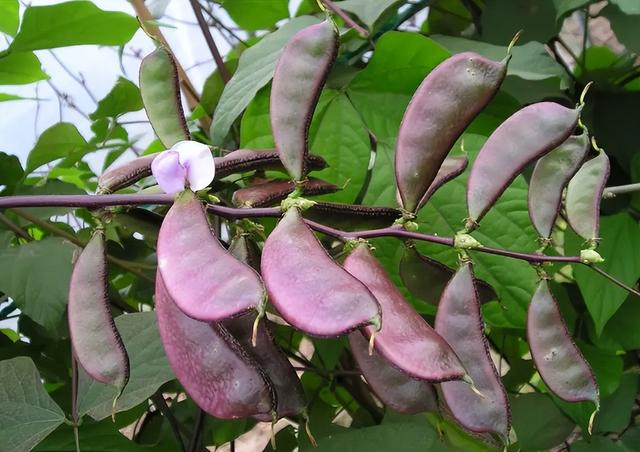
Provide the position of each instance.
(197, 159)
(169, 174)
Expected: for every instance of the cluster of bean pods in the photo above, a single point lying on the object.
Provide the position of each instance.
(211, 301)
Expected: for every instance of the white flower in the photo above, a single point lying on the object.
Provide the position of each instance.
(188, 164)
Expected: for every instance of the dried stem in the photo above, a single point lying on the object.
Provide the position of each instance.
(222, 69)
(15, 228)
(74, 399)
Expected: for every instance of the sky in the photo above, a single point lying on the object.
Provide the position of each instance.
(24, 120)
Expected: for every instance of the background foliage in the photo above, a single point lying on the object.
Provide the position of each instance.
(565, 44)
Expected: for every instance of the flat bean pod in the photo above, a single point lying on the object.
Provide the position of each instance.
(584, 194)
(211, 365)
(451, 168)
(406, 339)
(525, 136)
(287, 386)
(204, 280)
(272, 360)
(392, 386)
(447, 100)
(558, 360)
(298, 79)
(243, 160)
(161, 97)
(309, 290)
(126, 174)
(96, 342)
(550, 176)
(459, 321)
(350, 216)
(272, 192)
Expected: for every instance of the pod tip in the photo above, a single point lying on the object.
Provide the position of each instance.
(584, 94)
(513, 42)
(592, 419)
(467, 379)
(307, 429)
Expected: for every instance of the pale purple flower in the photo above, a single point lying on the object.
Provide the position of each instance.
(188, 164)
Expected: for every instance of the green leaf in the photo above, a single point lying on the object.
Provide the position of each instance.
(606, 366)
(9, 16)
(58, 141)
(124, 97)
(149, 369)
(20, 68)
(27, 413)
(72, 23)
(627, 6)
(213, 87)
(620, 247)
(255, 127)
(615, 410)
(255, 15)
(597, 444)
(338, 134)
(36, 276)
(10, 170)
(367, 10)
(5, 97)
(538, 423)
(530, 61)
(564, 7)
(621, 330)
(625, 26)
(98, 437)
(255, 70)
(447, 17)
(537, 19)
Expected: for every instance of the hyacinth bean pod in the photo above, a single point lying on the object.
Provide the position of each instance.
(550, 176)
(272, 192)
(242, 160)
(272, 360)
(204, 280)
(426, 278)
(558, 360)
(309, 290)
(350, 216)
(451, 168)
(584, 194)
(392, 386)
(161, 97)
(124, 175)
(459, 321)
(525, 136)
(447, 100)
(96, 343)
(298, 79)
(406, 339)
(211, 365)
(265, 352)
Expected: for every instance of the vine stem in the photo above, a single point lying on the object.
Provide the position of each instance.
(345, 17)
(161, 404)
(612, 192)
(98, 201)
(74, 399)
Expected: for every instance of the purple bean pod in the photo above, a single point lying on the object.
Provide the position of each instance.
(550, 176)
(525, 136)
(584, 194)
(298, 79)
(96, 342)
(204, 280)
(393, 387)
(211, 365)
(126, 174)
(285, 381)
(350, 216)
(309, 290)
(448, 99)
(272, 192)
(451, 168)
(459, 321)
(559, 362)
(406, 340)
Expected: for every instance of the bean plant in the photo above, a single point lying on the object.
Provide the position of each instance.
(326, 257)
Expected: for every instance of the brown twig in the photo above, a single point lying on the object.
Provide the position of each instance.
(345, 17)
(213, 48)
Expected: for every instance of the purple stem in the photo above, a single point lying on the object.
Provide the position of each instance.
(344, 16)
(98, 201)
